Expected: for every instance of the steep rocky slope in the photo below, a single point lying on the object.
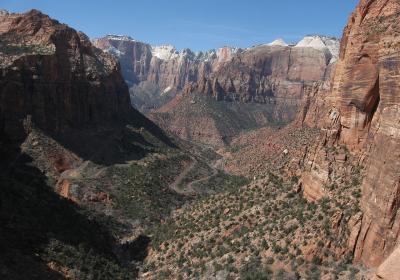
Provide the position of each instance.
(264, 230)
(82, 172)
(202, 119)
(168, 83)
(163, 65)
(161, 69)
(269, 73)
(254, 74)
(361, 112)
(54, 75)
(69, 144)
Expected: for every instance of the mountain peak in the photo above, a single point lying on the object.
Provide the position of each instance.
(278, 42)
(120, 37)
(164, 52)
(322, 43)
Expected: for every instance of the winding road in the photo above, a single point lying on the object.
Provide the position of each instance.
(189, 188)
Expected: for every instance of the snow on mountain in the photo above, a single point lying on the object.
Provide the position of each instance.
(168, 52)
(164, 52)
(322, 43)
(333, 44)
(106, 43)
(120, 38)
(187, 54)
(113, 50)
(226, 53)
(326, 44)
(221, 54)
(206, 56)
(3, 12)
(278, 42)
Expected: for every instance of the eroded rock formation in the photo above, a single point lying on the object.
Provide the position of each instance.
(390, 268)
(263, 74)
(52, 75)
(162, 66)
(64, 107)
(362, 112)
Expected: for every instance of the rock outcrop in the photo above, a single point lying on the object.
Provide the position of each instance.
(362, 112)
(367, 89)
(130, 53)
(277, 75)
(262, 74)
(163, 65)
(64, 107)
(390, 268)
(53, 76)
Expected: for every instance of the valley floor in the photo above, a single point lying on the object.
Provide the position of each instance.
(186, 211)
(265, 229)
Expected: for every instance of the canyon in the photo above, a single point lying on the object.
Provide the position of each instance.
(65, 116)
(250, 74)
(275, 161)
(175, 84)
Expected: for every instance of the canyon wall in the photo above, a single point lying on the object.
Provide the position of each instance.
(53, 80)
(52, 73)
(362, 112)
(52, 76)
(162, 65)
(267, 72)
(168, 82)
(367, 88)
(264, 74)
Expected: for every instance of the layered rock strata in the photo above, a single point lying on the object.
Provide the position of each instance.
(361, 112)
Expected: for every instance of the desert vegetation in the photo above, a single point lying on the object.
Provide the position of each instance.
(262, 230)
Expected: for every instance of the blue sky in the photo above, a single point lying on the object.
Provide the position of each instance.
(199, 25)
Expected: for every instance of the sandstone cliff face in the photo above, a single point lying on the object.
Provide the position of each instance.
(64, 107)
(130, 52)
(367, 89)
(53, 76)
(163, 66)
(263, 74)
(362, 112)
(283, 79)
(390, 268)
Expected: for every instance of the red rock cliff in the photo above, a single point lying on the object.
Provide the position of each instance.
(363, 112)
(53, 74)
(259, 74)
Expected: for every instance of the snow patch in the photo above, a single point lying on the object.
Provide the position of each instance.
(164, 52)
(206, 56)
(278, 42)
(120, 38)
(322, 43)
(113, 50)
